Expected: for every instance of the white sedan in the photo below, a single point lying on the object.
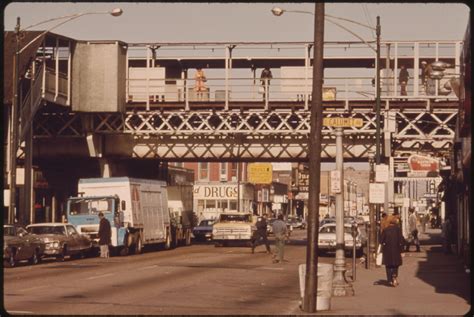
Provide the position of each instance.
(327, 238)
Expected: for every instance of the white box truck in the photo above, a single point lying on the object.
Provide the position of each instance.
(138, 210)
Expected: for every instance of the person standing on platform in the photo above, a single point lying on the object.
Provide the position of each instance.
(403, 80)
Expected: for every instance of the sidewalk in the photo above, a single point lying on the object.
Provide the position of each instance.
(431, 283)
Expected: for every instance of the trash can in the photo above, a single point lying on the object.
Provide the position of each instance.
(324, 288)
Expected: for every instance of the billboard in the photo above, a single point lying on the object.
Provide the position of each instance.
(423, 166)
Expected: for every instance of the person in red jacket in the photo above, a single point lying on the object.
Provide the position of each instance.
(105, 234)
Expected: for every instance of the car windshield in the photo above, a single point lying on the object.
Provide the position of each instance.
(235, 218)
(47, 230)
(332, 229)
(206, 223)
(90, 206)
(8, 231)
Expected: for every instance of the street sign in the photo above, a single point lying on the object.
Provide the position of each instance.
(335, 182)
(260, 173)
(381, 173)
(339, 122)
(6, 197)
(376, 193)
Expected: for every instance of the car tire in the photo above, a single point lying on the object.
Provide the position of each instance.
(168, 239)
(11, 261)
(62, 256)
(34, 258)
(188, 237)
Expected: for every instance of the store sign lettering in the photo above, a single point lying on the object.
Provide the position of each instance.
(215, 192)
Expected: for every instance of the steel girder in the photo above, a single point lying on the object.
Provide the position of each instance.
(251, 135)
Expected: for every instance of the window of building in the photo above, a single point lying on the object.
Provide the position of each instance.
(203, 171)
(179, 164)
(223, 171)
(233, 170)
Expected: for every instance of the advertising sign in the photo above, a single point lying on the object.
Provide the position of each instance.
(381, 173)
(303, 180)
(260, 173)
(215, 192)
(335, 182)
(376, 193)
(423, 166)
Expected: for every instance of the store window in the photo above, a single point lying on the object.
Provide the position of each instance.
(233, 205)
(203, 171)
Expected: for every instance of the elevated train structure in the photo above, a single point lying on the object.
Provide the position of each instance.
(137, 100)
(126, 106)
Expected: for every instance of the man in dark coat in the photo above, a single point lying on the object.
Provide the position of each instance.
(403, 80)
(105, 233)
(261, 233)
(392, 246)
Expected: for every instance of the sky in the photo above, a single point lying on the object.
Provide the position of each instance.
(199, 22)
(243, 22)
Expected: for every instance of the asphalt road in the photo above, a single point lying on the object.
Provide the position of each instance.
(198, 279)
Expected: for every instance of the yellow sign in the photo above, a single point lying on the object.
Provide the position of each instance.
(260, 173)
(339, 122)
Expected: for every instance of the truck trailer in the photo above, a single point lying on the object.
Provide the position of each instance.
(139, 211)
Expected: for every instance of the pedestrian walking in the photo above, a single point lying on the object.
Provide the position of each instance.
(392, 246)
(261, 234)
(424, 221)
(403, 80)
(265, 77)
(281, 234)
(412, 220)
(105, 233)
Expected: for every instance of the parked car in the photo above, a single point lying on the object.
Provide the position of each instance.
(61, 240)
(327, 238)
(296, 223)
(19, 245)
(327, 220)
(203, 231)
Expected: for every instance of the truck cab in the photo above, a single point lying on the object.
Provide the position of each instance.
(83, 213)
(233, 226)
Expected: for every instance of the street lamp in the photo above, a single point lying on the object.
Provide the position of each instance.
(311, 258)
(13, 126)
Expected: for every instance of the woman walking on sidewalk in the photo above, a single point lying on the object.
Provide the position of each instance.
(392, 245)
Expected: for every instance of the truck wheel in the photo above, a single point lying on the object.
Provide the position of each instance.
(138, 245)
(168, 239)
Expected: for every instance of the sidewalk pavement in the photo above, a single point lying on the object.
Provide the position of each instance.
(431, 283)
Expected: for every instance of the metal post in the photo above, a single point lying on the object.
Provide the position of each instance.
(377, 141)
(14, 126)
(340, 286)
(372, 227)
(314, 142)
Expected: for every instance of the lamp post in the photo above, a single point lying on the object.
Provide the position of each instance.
(313, 200)
(15, 108)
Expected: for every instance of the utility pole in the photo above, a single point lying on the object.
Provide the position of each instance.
(14, 126)
(375, 226)
(314, 141)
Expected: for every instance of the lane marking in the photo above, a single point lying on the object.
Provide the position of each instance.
(99, 276)
(272, 268)
(147, 267)
(19, 312)
(32, 288)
